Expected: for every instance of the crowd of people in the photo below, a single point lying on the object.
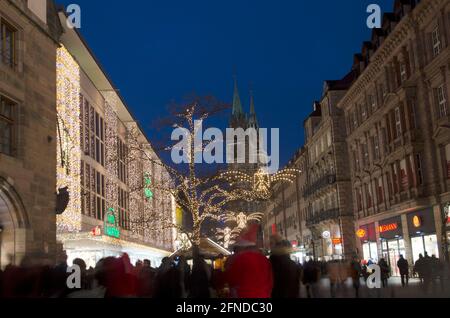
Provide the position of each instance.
(247, 273)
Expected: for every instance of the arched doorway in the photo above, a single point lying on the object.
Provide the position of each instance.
(13, 222)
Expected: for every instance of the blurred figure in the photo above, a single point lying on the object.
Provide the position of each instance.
(403, 267)
(355, 273)
(419, 267)
(200, 279)
(146, 278)
(168, 285)
(286, 274)
(385, 272)
(249, 272)
(310, 278)
(334, 274)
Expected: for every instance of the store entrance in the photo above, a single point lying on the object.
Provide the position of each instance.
(424, 244)
(392, 249)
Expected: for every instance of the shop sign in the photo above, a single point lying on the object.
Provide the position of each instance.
(417, 221)
(388, 227)
(294, 244)
(361, 233)
(96, 231)
(337, 241)
(326, 235)
(447, 212)
(111, 228)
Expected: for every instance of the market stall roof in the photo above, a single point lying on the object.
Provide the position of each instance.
(208, 249)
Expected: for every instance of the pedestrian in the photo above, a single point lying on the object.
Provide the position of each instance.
(310, 278)
(355, 273)
(334, 276)
(419, 268)
(286, 276)
(200, 279)
(403, 267)
(248, 271)
(385, 272)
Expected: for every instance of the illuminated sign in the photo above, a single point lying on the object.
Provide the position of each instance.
(96, 231)
(111, 228)
(388, 227)
(337, 241)
(361, 233)
(326, 235)
(417, 221)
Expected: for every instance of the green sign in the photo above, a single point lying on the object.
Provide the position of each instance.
(148, 193)
(111, 228)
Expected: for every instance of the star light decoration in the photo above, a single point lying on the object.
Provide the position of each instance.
(203, 197)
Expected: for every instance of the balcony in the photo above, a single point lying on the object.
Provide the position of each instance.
(328, 215)
(320, 184)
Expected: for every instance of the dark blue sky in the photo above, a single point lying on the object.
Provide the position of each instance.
(157, 51)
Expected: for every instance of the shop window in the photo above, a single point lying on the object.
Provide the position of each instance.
(7, 124)
(8, 44)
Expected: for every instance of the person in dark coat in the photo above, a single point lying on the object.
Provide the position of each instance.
(200, 279)
(403, 267)
(385, 272)
(286, 275)
(355, 273)
(310, 277)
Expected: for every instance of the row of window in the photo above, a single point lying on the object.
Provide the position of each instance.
(93, 198)
(400, 177)
(92, 132)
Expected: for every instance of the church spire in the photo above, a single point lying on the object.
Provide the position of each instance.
(237, 105)
(252, 120)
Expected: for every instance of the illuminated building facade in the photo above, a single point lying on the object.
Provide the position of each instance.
(397, 115)
(29, 37)
(109, 179)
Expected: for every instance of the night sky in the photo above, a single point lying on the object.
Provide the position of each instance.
(158, 51)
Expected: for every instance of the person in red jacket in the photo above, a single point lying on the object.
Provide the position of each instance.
(248, 271)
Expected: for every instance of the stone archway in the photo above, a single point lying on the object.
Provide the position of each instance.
(13, 224)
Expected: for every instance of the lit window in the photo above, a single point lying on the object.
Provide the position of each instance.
(436, 38)
(8, 43)
(6, 125)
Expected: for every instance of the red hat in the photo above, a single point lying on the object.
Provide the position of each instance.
(248, 236)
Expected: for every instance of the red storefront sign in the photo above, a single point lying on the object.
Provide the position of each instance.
(388, 227)
(337, 241)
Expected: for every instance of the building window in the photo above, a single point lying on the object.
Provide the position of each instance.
(355, 120)
(92, 132)
(8, 44)
(419, 169)
(398, 122)
(403, 72)
(365, 152)
(436, 39)
(356, 160)
(372, 102)
(364, 111)
(93, 192)
(6, 126)
(441, 100)
(412, 114)
(403, 175)
(376, 147)
(380, 190)
(368, 191)
(124, 203)
(122, 152)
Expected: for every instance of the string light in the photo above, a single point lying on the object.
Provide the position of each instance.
(68, 141)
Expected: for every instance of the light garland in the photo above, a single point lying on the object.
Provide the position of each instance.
(68, 141)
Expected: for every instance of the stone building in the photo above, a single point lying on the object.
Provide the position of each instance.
(397, 118)
(103, 159)
(328, 191)
(29, 38)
